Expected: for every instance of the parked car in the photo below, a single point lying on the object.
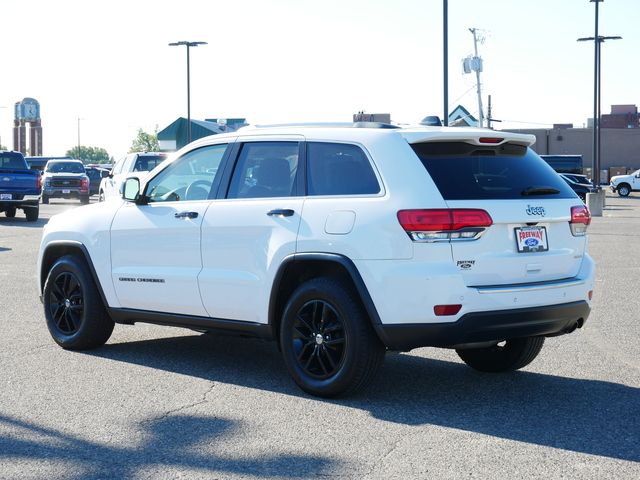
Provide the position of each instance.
(65, 179)
(625, 184)
(134, 163)
(19, 186)
(339, 243)
(579, 184)
(95, 173)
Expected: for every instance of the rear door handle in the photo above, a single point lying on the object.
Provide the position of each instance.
(281, 212)
(186, 215)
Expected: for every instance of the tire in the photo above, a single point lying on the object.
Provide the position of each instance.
(624, 190)
(32, 213)
(76, 317)
(10, 212)
(513, 355)
(327, 341)
(45, 199)
(101, 196)
(84, 200)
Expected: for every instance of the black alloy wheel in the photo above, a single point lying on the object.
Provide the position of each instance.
(319, 339)
(66, 303)
(326, 338)
(73, 308)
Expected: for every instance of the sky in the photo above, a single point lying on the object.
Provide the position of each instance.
(276, 61)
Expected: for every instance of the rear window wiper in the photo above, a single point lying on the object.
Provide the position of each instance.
(539, 191)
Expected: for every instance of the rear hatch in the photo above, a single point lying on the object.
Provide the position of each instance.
(529, 238)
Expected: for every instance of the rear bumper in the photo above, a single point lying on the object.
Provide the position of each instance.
(26, 200)
(488, 326)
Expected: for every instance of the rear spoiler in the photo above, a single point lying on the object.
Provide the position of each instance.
(466, 135)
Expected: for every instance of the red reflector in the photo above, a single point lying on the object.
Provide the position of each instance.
(490, 140)
(441, 310)
(580, 214)
(443, 219)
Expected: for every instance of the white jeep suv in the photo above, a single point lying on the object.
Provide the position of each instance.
(339, 243)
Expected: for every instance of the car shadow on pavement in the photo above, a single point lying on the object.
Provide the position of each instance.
(21, 222)
(588, 416)
(173, 442)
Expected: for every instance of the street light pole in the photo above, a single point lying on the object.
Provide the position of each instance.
(445, 56)
(188, 45)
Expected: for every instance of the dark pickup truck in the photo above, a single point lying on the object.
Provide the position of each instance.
(19, 186)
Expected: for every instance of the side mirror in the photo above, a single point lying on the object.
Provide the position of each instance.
(131, 189)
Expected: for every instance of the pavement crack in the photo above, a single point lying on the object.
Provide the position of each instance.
(182, 408)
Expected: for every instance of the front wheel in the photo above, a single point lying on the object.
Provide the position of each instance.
(624, 190)
(76, 317)
(327, 341)
(506, 356)
(101, 196)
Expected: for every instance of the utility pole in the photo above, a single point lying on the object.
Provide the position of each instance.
(474, 31)
(489, 117)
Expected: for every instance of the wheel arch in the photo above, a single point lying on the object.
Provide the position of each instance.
(55, 250)
(300, 267)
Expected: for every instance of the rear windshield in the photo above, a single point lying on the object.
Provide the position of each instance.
(468, 172)
(65, 167)
(12, 161)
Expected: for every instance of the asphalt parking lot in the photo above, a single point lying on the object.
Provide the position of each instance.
(158, 402)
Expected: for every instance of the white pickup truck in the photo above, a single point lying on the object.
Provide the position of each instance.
(625, 184)
(111, 186)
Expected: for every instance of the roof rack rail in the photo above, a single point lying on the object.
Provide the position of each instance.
(330, 125)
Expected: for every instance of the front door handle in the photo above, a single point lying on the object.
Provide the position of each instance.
(281, 212)
(186, 215)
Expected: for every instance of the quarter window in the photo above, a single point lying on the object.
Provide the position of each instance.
(190, 177)
(339, 169)
(265, 169)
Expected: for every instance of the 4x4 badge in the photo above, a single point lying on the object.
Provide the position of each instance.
(535, 211)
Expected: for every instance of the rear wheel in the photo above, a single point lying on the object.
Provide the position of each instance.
(624, 190)
(76, 317)
(45, 199)
(10, 212)
(84, 200)
(327, 341)
(506, 356)
(32, 213)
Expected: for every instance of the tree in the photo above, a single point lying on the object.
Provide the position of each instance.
(145, 142)
(89, 154)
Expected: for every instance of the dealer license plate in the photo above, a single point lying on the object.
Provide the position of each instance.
(66, 191)
(6, 196)
(531, 239)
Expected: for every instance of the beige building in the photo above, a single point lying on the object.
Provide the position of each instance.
(620, 147)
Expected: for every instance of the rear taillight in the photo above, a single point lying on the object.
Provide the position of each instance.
(580, 220)
(444, 224)
(39, 182)
(84, 184)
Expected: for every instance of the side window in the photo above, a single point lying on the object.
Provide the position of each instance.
(339, 169)
(265, 169)
(190, 177)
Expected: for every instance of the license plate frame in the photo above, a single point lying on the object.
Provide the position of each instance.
(66, 192)
(531, 239)
(6, 196)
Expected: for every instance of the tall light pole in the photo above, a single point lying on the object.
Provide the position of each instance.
(445, 58)
(188, 45)
(597, 41)
(79, 138)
